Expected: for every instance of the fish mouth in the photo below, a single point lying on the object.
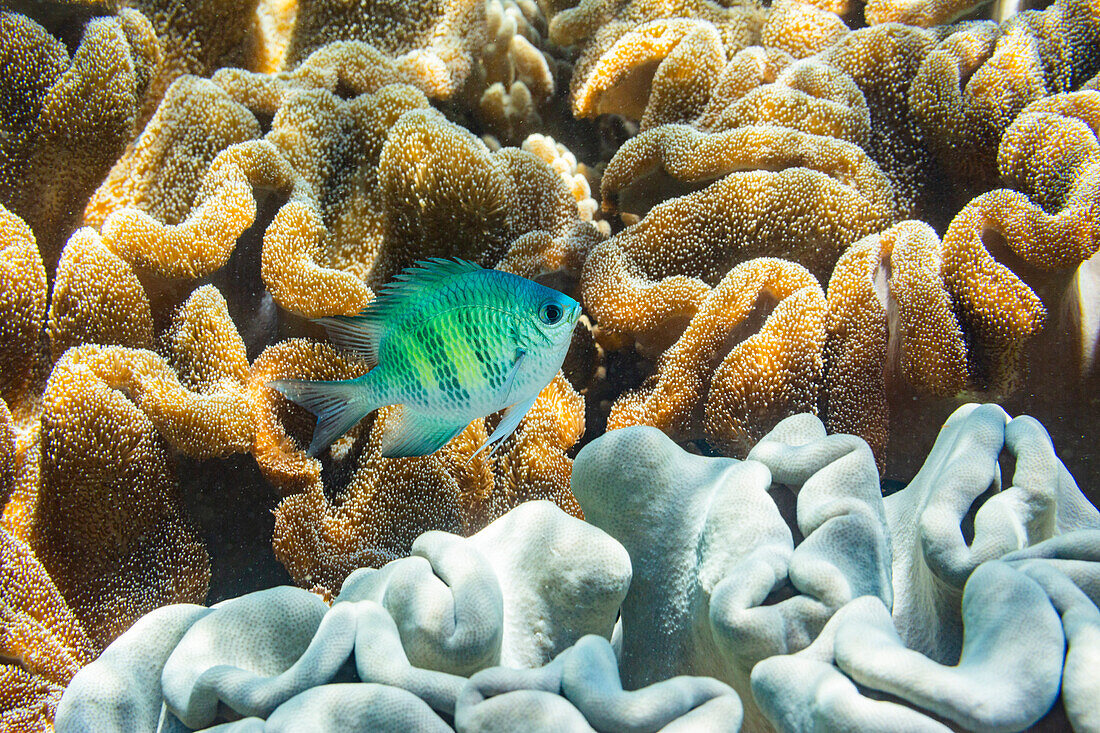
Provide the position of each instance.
(577, 312)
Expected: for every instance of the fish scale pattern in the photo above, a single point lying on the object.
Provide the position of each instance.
(451, 359)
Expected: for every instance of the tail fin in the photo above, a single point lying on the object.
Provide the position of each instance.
(337, 405)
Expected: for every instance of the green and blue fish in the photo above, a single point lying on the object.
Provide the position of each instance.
(449, 341)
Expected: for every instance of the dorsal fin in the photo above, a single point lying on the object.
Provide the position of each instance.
(357, 334)
(361, 334)
(421, 277)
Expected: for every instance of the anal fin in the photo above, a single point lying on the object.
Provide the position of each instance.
(507, 425)
(411, 433)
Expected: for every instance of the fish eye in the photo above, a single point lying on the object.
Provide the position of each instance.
(550, 313)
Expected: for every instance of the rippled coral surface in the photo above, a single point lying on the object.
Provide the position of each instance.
(869, 212)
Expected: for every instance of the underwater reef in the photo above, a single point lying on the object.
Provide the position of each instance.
(654, 614)
(824, 250)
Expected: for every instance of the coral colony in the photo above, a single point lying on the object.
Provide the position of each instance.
(821, 454)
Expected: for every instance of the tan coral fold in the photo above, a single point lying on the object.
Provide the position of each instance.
(633, 48)
(891, 331)
(97, 299)
(8, 457)
(431, 43)
(1009, 263)
(975, 83)
(532, 464)
(161, 173)
(106, 520)
(750, 357)
(801, 29)
(807, 95)
(1051, 152)
(386, 505)
(779, 192)
(68, 119)
(22, 305)
(105, 517)
(282, 462)
(42, 643)
(409, 184)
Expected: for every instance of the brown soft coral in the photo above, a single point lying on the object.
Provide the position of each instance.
(23, 452)
(423, 197)
(104, 515)
(531, 464)
(636, 46)
(199, 37)
(751, 356)
(8, 457)
(28, 702)
(200, 407)
(430, 43)
(176, 204)
(445, 193)
(975, 83)
(914, 321)
(780, 193)
(67, 115)
(319, 247)
(22, 305)
(387, 504)
(746, 70)
(321, 539)
(41, 640)
(206, 351)
(801, 29)
(421, 187)
(1010, 263)
(200, 195)
(162, 174)
(923, 13)
(97, 299)
(696, 85)
(668, 62)
(1051, 151)
(1000, 250)
(370, 184)
(271, 34)
(657, 72)
(968, 90)
(345, 68)
(808, 95)
(105, 520)
(892, 333)
(883, 61)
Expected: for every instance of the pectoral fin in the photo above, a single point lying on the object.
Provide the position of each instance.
(412, 433)
(508, 424)
(510, 377)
